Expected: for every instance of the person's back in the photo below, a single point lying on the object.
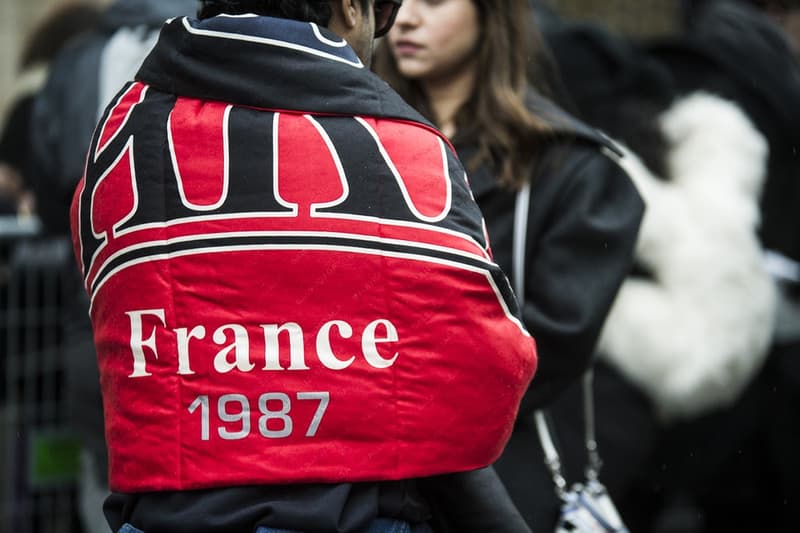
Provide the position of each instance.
(280, 256)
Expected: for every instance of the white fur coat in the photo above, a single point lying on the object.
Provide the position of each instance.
(693, 337)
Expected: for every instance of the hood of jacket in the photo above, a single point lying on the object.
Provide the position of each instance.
(269, 63)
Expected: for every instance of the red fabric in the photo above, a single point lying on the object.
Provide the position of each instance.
(420, 360)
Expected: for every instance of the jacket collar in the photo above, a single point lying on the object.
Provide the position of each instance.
(268, 63)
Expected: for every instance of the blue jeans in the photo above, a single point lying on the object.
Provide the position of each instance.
(379, 525)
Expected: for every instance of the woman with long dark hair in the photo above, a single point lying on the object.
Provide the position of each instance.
(476, 68)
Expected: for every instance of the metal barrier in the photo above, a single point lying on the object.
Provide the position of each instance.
(39, 455)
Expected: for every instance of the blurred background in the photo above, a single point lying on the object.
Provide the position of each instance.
(17, 19)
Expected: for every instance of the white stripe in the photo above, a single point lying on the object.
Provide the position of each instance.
(225, 165)
(324, 248)
(401, 183)
(339, 169)
(270, 42)
(245, 234)
(99, 149)
(479, 250)
(127, 150)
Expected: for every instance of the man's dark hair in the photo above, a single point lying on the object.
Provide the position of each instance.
(316, 11)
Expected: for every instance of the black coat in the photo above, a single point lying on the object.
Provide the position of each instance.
(310, 83)
(582, 226)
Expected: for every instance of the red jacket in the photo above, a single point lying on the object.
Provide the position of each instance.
(289, 279)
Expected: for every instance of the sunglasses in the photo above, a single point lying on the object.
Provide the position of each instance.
(385, 13)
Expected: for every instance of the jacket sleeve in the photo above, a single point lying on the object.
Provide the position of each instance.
(472, 501)
(584, 218)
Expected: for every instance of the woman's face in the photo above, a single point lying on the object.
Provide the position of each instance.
(435, 40)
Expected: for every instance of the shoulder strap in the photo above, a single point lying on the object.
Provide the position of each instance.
(520, 237)
(552, 458)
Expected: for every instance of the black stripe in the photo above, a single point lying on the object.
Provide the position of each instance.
(294, 240)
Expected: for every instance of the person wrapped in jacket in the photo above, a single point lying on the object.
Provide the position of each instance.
(296, 312)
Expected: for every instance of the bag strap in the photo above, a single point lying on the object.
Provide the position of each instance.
(552, 458)
(520, 237)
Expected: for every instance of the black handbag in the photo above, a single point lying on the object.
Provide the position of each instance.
(586, 506)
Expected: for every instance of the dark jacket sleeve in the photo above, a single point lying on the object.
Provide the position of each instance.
(472, 501)
(584, 218)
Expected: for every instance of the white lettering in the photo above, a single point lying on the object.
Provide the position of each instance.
(324, 351)
(297, 359)
(138, 342)
(198, 332)
(235, 342)
(281, 419)
(240, 348)
(369, 341)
